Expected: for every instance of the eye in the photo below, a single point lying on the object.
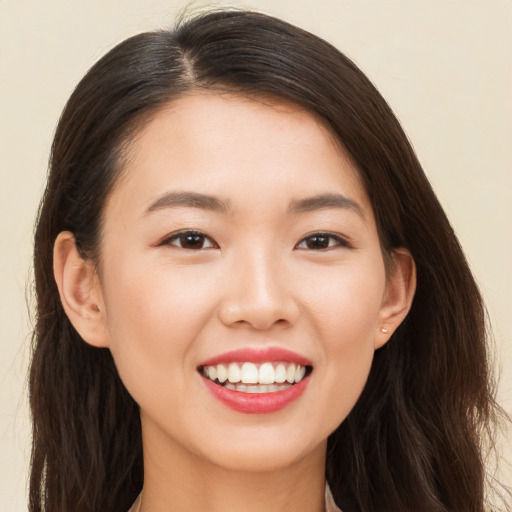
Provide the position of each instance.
(322, 241)
(191, 240)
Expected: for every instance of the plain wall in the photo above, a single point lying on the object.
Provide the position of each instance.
(444, 65)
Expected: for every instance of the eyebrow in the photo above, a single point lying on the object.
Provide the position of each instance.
(325, 201)
(207, 202)
(190, 200)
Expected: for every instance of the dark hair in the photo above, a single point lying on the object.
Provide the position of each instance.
(414, 440)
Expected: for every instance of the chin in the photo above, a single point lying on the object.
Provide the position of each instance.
(257, 455)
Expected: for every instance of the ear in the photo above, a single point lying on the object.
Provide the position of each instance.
(398, 296)
(80, 291)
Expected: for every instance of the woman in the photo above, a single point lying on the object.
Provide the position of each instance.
(247, 290)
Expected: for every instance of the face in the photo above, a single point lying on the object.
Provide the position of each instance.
(240, 244)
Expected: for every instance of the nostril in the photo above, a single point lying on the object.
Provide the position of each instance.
(257, 308)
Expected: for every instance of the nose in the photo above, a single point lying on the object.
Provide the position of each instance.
(258, 294)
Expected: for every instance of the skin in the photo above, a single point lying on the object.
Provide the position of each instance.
(256, 279)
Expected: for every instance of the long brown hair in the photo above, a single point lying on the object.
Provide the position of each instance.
(414, 440)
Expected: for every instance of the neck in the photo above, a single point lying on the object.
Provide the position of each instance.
(174, 477)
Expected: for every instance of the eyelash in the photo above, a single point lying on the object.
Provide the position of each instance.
(339, 241)
(321, 236)
(189, 233)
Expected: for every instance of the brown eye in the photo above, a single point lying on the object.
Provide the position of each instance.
(317, 242)
(191, 240)
(322, 241)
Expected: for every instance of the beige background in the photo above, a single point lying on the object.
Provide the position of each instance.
(444, 65)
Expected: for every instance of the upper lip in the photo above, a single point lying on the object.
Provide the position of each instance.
(257, 355)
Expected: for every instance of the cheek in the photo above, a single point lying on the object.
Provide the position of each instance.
(345, 317)
(345, 302)
(154, 298)
(153, 318)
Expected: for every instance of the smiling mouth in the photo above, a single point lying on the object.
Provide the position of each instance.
(249, 377)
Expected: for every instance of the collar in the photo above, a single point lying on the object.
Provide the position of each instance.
(330, 505)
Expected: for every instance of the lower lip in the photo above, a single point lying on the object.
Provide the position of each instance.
(256, 403)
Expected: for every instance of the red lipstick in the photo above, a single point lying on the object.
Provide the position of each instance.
(256, 403)
(258, 355)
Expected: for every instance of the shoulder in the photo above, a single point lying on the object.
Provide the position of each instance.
(330, 505)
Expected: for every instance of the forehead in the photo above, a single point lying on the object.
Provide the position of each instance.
(228, 143)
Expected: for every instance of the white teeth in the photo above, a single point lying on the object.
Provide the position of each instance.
(212, 372)
(255, 378)
(280, 373)
(257, 388)
(299, 373)
(290, 373)
(249, 373)
(266, 374)
(222, 373)
(234, 374)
